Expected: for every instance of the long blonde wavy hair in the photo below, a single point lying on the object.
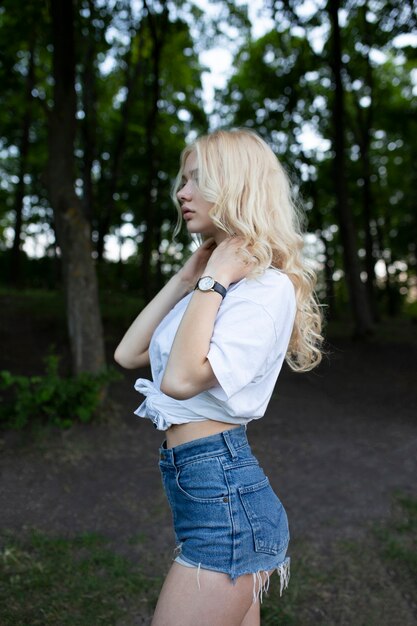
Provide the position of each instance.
(252, 199)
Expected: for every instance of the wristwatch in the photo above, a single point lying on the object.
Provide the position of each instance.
(207, 283)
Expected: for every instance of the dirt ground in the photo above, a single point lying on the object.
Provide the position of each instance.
(337, 444)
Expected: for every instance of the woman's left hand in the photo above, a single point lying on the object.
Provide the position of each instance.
(227, 264)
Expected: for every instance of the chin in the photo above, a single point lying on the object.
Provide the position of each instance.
(195, 230)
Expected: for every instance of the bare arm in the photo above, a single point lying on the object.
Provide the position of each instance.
(132, 351)
(188, 371)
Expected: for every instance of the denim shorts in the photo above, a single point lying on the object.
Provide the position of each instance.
(226, 516)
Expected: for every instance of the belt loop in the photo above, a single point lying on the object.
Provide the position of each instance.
(229, 444)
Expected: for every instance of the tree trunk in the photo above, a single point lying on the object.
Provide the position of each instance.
(72, 229)
(89, 123)
(357, 293)
(151, 211)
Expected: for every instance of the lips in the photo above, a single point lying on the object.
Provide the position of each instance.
(186, 212)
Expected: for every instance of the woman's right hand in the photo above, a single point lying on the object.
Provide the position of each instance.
(227, 264)
(195, 265)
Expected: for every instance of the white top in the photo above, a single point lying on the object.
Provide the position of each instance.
(249, 342)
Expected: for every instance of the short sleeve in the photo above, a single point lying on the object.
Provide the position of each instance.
(243, 337)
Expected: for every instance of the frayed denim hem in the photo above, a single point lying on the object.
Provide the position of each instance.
(261, 579)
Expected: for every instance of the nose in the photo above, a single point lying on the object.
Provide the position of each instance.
(184, 192)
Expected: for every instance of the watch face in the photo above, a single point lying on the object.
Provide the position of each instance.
(206, 283)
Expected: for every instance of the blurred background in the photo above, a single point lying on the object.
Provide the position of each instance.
(98, 98)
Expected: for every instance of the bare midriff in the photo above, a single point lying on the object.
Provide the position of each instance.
(183, 433)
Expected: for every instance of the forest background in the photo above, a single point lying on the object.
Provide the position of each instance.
(98, 98)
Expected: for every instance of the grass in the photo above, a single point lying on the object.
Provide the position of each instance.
(80, 582)
(402, 328)
(116, 307)
(74, 582)
(398, 539)
(368, 582)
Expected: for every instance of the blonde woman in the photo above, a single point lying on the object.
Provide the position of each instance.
(216, 336)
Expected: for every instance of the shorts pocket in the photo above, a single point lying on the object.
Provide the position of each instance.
(266, 516)
(203, 481)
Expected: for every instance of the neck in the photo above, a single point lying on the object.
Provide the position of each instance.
(220, 236)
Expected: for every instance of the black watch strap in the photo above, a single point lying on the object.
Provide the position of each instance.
(219, 288)
(207, 283)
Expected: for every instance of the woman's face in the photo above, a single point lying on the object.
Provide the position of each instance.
(195, 209)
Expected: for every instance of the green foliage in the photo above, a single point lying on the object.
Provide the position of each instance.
(71, 582)
(398, 538)
(126, 104)
(138, 80)
(51, 398)
(282, 85)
